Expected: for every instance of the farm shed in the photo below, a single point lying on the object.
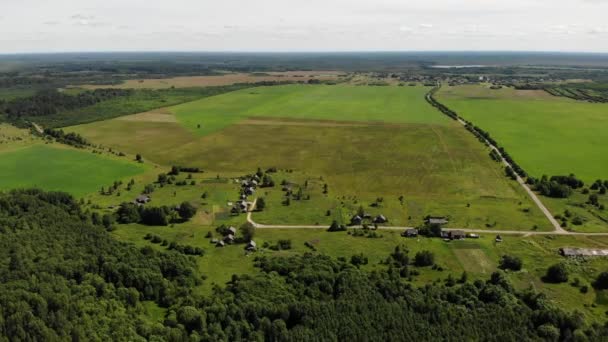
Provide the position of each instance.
(457, 234)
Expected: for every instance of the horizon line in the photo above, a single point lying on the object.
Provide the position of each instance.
(299, 52)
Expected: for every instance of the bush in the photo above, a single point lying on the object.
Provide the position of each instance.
(424, 258)
(509, 262)
(601, 282)
(358, 260)
(556, 274)
(186, 210)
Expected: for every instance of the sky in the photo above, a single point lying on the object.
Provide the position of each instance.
(303, 25)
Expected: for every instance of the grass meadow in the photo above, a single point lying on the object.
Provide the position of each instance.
(311, 102)
(388, 144)
(62, 169)
(543, 133)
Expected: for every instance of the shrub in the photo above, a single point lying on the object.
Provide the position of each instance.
(424, 258)
(509, 262)
(556, 274)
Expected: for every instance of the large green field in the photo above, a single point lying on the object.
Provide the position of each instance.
(61, 168)
(313, 102)
(387, 143)
(544, 134)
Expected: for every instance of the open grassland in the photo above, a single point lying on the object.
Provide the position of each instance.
(318, 102)
(479, 258)
(61, 168)
(543, 133)
(438, 169)
(224, 79)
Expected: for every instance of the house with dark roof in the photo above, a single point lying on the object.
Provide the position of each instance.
(229, 238)
(457, 234)
(410, 232)
(380, 219)
(251, 246)
(142, 199)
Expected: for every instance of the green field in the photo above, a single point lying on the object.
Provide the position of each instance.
(319, 102)
(544, 134)
(363, 151)
(62, 169)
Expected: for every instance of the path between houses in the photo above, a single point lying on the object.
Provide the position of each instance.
(468, 230)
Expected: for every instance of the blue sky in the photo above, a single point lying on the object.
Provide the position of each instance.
(288, 25)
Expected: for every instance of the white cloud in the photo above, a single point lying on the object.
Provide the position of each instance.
(304, 25)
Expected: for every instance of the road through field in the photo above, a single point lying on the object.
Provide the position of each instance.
(557, 227)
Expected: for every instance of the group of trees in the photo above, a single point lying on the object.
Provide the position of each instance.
(72, 139)
(558, 187)
(154, 216)
(66, 278)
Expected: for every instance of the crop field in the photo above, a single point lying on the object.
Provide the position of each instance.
(365, 143)
(220, 80)
(60, 168)
(545, 134)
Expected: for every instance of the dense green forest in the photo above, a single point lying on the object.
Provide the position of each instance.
(63, 277)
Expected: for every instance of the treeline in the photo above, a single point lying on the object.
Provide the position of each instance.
(154, 216)
(481, 135)
(72, 139)
(445, 110)
(52, 109)
(50, 102)
(62, 277)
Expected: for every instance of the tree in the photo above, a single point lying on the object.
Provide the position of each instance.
(186, 210)
(260, 204)
(335, 227)
(358, 260)
(601, 282)
(247, 231)
(509, 262)
(155, 216)
(424, 258)
(139, 158)
(128, 213)
(556, 274)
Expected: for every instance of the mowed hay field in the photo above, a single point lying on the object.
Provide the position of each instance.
(220, 80)
(543, 133)
(62, 169)
(364, 142)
